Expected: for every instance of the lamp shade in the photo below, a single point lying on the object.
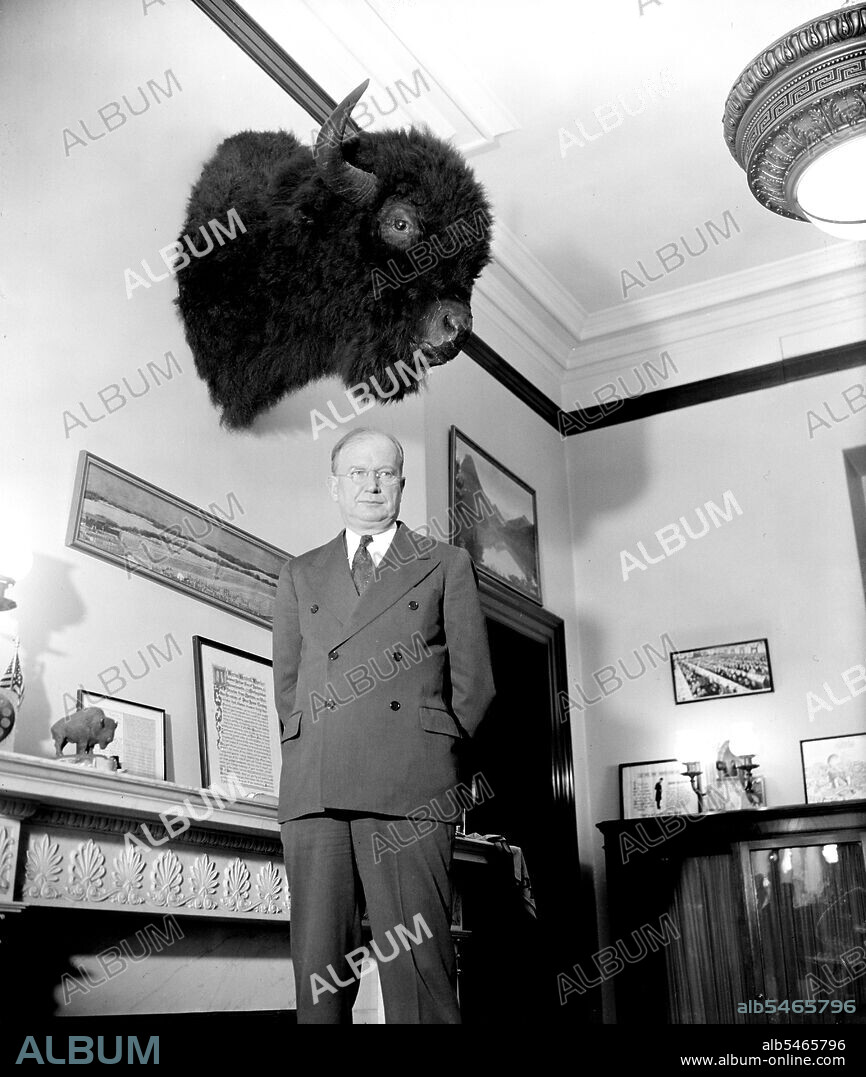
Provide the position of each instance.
(795, 121)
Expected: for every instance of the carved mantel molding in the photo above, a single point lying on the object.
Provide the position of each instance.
(75, 837)
(81, 838)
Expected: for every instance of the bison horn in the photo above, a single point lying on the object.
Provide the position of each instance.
(353, 184)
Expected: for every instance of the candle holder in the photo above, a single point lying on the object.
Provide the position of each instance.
(746, 767)
(693, 773)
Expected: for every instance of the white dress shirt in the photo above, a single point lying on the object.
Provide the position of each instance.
(378, 547)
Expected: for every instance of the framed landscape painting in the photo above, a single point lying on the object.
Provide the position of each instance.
(148, 532)
(493, 517)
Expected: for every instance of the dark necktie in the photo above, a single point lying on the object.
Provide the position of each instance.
(362, 565)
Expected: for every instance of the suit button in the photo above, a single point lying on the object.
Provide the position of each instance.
(397, 656)
(314, 609)
(394, 705)
(413, 605)
(333, 655)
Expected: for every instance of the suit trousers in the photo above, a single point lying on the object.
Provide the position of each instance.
(331, 862)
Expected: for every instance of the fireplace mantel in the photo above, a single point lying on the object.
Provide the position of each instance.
(75, 837)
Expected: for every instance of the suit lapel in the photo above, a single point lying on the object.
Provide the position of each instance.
(336, 586)
(400, 569)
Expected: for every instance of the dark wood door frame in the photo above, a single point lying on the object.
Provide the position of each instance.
(576, 911)
(545, 627)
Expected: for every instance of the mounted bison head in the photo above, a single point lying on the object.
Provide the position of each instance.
(350, 258)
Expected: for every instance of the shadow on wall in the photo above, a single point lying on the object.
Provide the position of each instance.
(48, 603)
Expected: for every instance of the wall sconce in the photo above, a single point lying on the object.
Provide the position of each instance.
(795, 122)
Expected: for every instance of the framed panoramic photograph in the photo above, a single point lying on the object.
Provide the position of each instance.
(728, 669)
(493, 517)
(237, 718)
(144, 530)
(655, 787)
(139, 740)
(834, 768)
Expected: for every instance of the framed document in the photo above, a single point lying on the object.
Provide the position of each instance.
(139, 740)
(656, 787)
(237, 718)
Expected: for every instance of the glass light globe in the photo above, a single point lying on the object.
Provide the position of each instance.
(832, 190)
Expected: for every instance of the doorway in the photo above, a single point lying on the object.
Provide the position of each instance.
(523, 751)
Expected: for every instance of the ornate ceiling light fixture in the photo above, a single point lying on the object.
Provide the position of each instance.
(795, 121)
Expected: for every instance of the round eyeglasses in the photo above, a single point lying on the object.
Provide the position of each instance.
(384, 476)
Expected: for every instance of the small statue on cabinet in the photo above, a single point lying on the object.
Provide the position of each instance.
(86, 729)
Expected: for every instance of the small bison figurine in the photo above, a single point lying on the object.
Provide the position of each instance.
(86, 729)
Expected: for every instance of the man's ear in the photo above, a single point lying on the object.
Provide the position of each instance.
(332, 487)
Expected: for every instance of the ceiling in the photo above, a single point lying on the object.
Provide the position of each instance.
(518, 86)
(597, 132)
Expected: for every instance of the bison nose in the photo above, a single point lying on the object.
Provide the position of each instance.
(450, 322)
(456, 322)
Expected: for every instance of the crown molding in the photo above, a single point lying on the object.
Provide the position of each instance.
(730, 288)
(517, 315)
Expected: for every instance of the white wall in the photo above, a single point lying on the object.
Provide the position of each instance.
(72, 224)
(786, 569)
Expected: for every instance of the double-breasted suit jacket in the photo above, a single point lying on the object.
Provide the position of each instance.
(374, 694)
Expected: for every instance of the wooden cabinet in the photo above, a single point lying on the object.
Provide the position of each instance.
(752, 910)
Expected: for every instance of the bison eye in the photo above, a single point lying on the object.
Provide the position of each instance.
(398, 224)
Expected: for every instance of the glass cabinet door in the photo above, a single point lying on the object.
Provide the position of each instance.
(809, 932)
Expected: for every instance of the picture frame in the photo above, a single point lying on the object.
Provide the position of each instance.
(722, 671)
(855, 474)
(834, 768)
(239, 740)
(493, 515)
(127, 521)
(139, 740)
(641, 796)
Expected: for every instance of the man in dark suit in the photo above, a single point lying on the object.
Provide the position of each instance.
(381, 669)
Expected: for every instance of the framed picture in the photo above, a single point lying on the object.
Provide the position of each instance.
(855, 473)
(655, 787)
(728, 669)
(139, 740)
(138, 527)
(834, 768)
(493, 516)
(237, 718)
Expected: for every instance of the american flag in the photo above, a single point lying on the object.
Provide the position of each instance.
(13, 679)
